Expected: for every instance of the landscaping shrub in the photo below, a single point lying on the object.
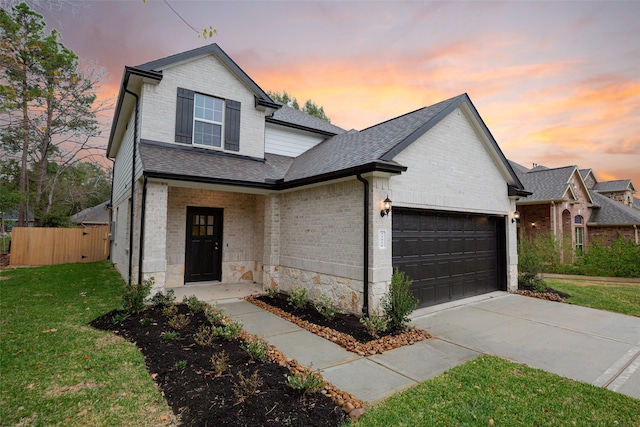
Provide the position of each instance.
(530, 264)
(375, 324)
(620, 259)
(298, 297)
(163, 300)
(195, 305)
(257, 348)
(399, 303)
(134, 296)
(306, 381)
(326, 308)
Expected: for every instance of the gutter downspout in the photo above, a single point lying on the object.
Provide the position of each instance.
(635, 230)
(112, 238)
(365, 280)
(553, 207)
(143, 209)
(133, 183)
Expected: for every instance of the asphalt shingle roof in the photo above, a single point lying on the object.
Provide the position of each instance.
(617, 185)
(354, 148)
(611, 212)
(94, 215)
(545, 184)
(200, 163)
(290, 115)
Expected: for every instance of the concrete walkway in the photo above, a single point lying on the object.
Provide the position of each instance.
(588, 345)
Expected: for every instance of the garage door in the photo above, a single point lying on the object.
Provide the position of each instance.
(449, 255)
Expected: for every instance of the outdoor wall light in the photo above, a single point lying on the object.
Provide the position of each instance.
(516, 217)
(387, 207)
(533, 225)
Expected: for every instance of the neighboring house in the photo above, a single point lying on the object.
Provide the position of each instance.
(572, 205)
(231, 187)
(636, 203)
(91, 217)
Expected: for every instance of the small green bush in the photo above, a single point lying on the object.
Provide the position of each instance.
(299, 297)
(219, 362)
(306, 381)
(178, 322)
(257, 349)
(399, 303)
(134, 296)
(194, 304)
(146, 321)
(170, 335)
(170, 310)
(180, 365)
(272, 292)
(214, 315)
(375, 324)
(163, 299)
(228, 331)
(247, 386)
(326, 307)
(205, 336)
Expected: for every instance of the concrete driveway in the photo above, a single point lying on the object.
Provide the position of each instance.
(592, 346)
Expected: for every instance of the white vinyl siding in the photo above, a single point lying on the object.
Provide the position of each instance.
(288, 142)
(122, 166)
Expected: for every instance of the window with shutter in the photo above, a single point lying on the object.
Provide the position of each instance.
(203, 120)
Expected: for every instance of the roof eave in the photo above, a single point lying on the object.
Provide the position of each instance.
(299, 127)
(128, 72)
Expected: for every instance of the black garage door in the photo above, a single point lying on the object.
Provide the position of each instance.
(449, 255)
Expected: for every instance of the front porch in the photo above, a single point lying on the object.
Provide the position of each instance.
(216, 291)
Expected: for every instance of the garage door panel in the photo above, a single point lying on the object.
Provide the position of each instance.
(447, 255)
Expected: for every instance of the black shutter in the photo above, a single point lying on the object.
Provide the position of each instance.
(232, 126)
(184, 116)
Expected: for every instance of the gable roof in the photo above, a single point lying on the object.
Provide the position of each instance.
(382, 142)
(609, 212)
(290, 117)
(213, 48)
(94, 215)
(613, 186)
(152, 72)
(344, 154)
(636, 203)
(546, 184)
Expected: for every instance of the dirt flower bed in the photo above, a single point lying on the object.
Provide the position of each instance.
(345, 330)
(235, 390)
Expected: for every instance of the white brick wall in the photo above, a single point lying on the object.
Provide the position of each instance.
(209, 76)
(322, 229)
(450, 168)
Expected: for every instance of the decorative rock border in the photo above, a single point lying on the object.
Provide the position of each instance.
(379, 346)
(549, 296)
(350, 404)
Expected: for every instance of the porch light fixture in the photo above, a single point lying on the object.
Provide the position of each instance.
(516, 217)
(387, 207)
(533, 225)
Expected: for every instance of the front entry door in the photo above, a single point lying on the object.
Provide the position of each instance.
(203, 255)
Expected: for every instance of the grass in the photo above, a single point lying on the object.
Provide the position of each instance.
(489, 388)
(57, 370)
(619, 298)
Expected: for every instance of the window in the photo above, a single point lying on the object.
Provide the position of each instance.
(578, 219)
(579, 239)
(207, 126)
(207, 121)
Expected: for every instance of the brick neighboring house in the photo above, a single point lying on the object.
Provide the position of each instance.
(571, 204)
(216, 183)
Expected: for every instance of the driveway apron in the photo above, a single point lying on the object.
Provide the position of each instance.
(592, 346)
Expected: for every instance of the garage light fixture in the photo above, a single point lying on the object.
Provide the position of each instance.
(516, 217)
(387, 207)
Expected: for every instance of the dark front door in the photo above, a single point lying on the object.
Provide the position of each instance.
(203, 258)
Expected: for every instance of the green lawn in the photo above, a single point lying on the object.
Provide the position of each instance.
(57, 370)
(617, 297)
(489, 388)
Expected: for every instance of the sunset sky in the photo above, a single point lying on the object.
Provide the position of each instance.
(557, 83)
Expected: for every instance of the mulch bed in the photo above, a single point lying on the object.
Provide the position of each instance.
(344, 329)
(200, 398)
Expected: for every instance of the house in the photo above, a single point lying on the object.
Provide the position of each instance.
(214, 182)
(94, 216)
(572, 205)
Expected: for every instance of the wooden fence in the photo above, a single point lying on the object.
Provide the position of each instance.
(47, 246)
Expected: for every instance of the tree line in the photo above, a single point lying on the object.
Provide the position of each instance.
(49, 124)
